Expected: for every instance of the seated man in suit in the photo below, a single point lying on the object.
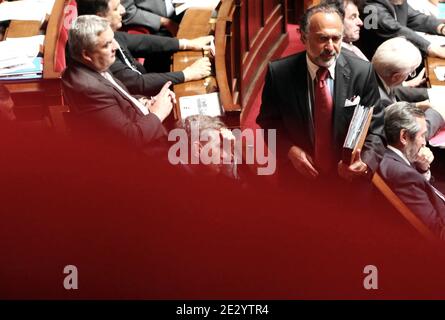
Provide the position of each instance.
(100, 104)
(131, 72)
(405, 165)
(394, 61)
(395, 18)
(157, 15)
(310, 98)
(352, 26)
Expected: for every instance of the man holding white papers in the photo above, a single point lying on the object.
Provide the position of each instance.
(100, 104)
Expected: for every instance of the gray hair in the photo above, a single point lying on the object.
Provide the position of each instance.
(401, 115)
(84, 33)
(396, 55)
(202, 122)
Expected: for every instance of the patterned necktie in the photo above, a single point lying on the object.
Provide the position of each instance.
(127, 62)
(324, 157)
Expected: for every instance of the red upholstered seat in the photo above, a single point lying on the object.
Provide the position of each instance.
(70, 13)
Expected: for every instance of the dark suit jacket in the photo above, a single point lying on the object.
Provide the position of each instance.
(141, 45)
(388, 26)
(285, 105)
(433, 118)
(414, 190)
(97, 106)
(146, 13)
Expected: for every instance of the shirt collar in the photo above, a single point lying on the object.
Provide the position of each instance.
(313, 68)
(399, 153)
(387, 88)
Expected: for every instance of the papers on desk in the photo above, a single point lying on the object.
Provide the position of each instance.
(436, 95)
(31, 70)
(358, 129)
(182, 5)
(34, 10)
(205, 104)
(18, 58)
(439, 139)
(433, 38)
(440, 73)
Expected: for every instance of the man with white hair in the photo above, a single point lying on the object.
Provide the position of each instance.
(100, 104)
(393, 61)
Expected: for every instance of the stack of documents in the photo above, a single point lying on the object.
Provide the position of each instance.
(18, 58)
(358, 129)
(33, 10)
(182, 5)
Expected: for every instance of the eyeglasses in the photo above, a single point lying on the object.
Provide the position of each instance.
(413, 73)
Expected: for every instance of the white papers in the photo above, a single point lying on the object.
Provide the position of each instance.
(433, 38)
(183, 5)
(436, 95)
(205, 104)
(440, 73)
(19, 52)
(34, 10)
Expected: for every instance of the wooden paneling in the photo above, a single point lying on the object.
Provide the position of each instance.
(262, 37)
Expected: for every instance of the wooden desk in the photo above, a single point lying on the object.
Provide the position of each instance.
(197, 23)
(35, 98)
(430, 64)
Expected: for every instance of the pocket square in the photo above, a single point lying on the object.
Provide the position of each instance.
(353, 101)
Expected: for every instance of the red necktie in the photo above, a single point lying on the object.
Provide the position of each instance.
(324, 157)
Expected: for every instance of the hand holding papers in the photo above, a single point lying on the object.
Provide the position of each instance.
(358, 129)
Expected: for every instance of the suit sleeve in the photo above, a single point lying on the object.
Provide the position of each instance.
(104, 111)
(270, 116)
(147, 84)
(135, 15)
(140, 45)
(375, 142)
(388, 27)
(410, 188)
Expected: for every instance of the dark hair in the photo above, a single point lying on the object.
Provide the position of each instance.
(401, 115)
(323, 7)
(341, 4)
(95, 7)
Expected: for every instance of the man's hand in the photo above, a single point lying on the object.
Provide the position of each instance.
(163, 102)
(424, 159)
(435, 50)
(417, 81)
(424, 105)
(357, 169)
(201, 43)
(302, 162)
(170, 25)
(198, 70)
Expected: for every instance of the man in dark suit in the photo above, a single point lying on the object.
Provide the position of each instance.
(101, 105)
(394, 60)
(405, 165)
(291, 103)
(138, 78)
(157, 15)
(395, 18)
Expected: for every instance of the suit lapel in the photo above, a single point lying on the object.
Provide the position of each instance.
(341, 85)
